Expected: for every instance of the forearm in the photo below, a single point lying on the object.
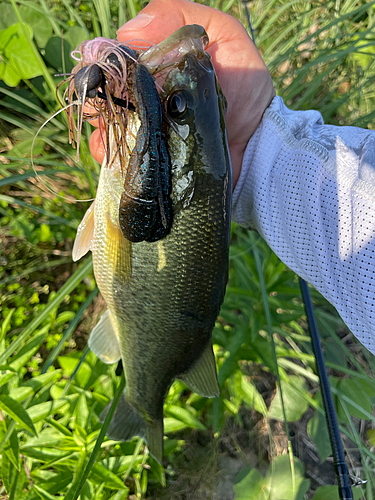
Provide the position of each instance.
(309, 190)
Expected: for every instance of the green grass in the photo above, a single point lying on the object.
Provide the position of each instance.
(52, 389)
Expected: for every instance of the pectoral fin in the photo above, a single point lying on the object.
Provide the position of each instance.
(202, 377)
(85, 233)
(103, 340)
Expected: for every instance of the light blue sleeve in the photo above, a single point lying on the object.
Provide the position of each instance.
(309, 190)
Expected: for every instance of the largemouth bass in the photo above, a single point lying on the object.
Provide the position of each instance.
(163, 296)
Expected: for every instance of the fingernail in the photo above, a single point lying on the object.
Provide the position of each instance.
(137, 23)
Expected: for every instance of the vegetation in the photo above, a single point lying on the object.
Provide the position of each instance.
(52, 389)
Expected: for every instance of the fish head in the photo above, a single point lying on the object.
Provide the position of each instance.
(194, 112)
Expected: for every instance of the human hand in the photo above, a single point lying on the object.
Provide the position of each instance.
(241, 72)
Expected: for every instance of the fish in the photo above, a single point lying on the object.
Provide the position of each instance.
(164, 293)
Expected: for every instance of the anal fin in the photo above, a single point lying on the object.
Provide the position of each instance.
(127, 422)
(202, 376)
(103, 340)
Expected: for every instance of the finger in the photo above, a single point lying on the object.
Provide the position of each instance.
(97, 146)
(161, 18)
(235, 57)
(154, 23)
(96, 121)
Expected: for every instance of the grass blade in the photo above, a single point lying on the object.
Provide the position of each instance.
(65, 290)
(42, 65)
(16, 411)
(74, 494)
(56, 351)
(51, 215)
(269, 325)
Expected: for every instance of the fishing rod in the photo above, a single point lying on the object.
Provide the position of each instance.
(341, 469)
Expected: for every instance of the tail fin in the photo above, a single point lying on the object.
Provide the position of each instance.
(127, 422)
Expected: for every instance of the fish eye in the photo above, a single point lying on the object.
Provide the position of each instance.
(179, 105)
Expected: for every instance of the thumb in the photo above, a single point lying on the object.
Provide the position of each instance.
(158, 20)
(161, 18)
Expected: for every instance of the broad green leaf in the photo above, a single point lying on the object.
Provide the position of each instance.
(48, 438)
(48, 476)
(295, 404)
(67, 288)
(235, 390)
(88, 491)
(173, 425)
(104, 400)
(57, 483)
(317, 430)
(75, 35)
(61, 428)
(252, 397)
(7, 472)
(79, 469)
(279, 480)
(184, 416)
(41, 411)
(171, 445)
(83, 470)
(44, 495)
(81, 411)
(104, 475)
(18, 60)
(367, 52)
(42, 476)
(327, 493)
(251, 487)
(121, 495)
(371, 436)
(8, 16)
(333, 353)
(23, 148)
(70, 363)
(57, 54)
(361, 393)
(13, 479)
(5, 326)
(44, 454)
(27, 351)
(11, 448)
(42, 381)
(104, 389)
(332, 493)
(119, 465)
(17, 412)
(20, 393)
(37, 21)
(6, 374)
